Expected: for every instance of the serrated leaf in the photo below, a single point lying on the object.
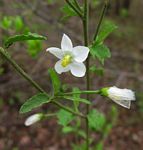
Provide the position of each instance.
(100, 51)
(77, 99)
(34, 102)
(64, 117)
(23, 37)
(96, 120)
(106, 29)
(55, 81)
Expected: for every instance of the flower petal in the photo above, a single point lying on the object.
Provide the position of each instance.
(33, 119)
(123, 103)
(66, 43)
(60, 69)
(80, 53)
(78, 69)
(55, 51)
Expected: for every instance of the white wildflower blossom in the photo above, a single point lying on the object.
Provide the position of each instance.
(33, 119)
(122, 97)
(71, 58)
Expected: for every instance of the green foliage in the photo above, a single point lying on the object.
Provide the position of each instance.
(100, 51)
(68, 12)
(18, 23)
(106, 29)
(96, 119)
(64, 117)
(6, 22)
(79, 147)
(56, 83)
(76, 103)
(34, 47)
(97, 70)
(34, 102)
(99, 146)
(23, 37)
(77, 99)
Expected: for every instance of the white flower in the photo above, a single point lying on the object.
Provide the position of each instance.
(122, 97)
(33, 119)
(71, 58)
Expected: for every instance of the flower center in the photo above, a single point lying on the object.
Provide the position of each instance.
(66, 60)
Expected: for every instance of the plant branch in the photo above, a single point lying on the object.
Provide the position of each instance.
(83, 92)
(101, 19)
(6, 55)
(85, 29)
(77, 5)
(68, 109)
(74, 8)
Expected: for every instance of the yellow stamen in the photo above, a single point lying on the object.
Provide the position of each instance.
(66, 60)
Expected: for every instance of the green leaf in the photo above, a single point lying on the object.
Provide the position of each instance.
(68, 11)
(23, 37)
(6, 22)
(55, 81)
(107, 28)
(34, 47)
(18, 23)
(64, 117)
(34, 102)
(99, 146)
(76, 103)
(97, 70)
(100, 51)
(77, 99)
(68, 129)
(96, 120)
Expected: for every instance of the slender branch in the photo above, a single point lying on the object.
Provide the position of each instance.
(85, 29)
(74, 8)
(6, 55)
(101, 18)
(83, 92)
(77, 5)
(68, 109)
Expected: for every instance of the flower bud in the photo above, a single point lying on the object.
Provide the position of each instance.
(33, 119)
(122, 97)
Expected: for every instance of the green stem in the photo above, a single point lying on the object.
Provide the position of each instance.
(85, 29)
(5, 54)
(68, 109)
(74, 8)
(101, 19)
(83, 92)
(77, 5)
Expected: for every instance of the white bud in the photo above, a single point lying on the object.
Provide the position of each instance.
(122, 97)
(33, 119)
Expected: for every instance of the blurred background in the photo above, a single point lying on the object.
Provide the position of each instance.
(124, 69)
